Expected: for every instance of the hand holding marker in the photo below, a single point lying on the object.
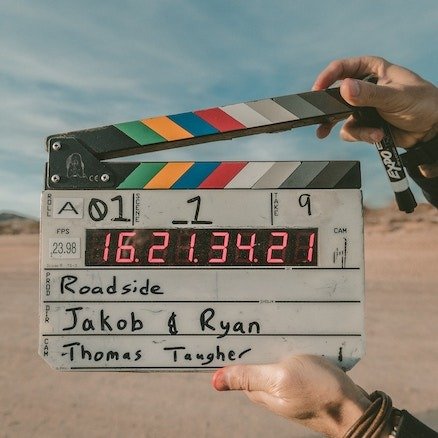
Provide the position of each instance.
(388, 154)
(403, 99)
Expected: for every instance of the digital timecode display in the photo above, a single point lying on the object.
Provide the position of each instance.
(202, 247)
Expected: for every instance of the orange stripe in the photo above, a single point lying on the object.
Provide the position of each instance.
(168, 175)
(167, 128)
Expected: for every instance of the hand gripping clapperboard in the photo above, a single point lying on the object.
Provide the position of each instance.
(157, 266)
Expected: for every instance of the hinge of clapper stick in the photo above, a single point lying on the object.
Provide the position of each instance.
(76, 159)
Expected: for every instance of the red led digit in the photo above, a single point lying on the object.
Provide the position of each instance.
(281, 247)
(122, 247)
(107, 244)
(249, 248)
(162, 247)
(310, 250)
(192, 247)
(222, 247)
(305, 247)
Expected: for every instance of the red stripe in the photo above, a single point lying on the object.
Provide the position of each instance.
(219, 119)
(222, 175)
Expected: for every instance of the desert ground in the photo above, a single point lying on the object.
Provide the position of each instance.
(401, 358)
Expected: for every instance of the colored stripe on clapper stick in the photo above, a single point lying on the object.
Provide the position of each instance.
(168, 175)
(195, 175)
(222, 121)
(167, 128)
(140, 133)
(222, 175)
(193, 124)
(142, 174)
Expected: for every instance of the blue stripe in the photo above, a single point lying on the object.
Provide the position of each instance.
(195, 175)
(194, 124)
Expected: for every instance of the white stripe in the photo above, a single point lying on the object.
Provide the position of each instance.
(246, 115)
(400, 186)
(277, 175)
(250, 174)
(272, 111)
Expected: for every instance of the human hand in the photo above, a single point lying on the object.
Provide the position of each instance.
(402, 98)
(306, 389)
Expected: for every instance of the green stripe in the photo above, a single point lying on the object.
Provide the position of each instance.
(141, 175)
(139, 132)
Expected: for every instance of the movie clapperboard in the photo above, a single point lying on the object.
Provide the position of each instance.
(188, 266)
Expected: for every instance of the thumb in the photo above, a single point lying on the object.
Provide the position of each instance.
(361, 93)
(243, 377)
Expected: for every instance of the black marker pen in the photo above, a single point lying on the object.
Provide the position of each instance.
(388, 154)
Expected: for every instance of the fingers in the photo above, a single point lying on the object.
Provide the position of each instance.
(243, 377)
(324, 130)
(357, 67)
(357, 93)
(352, 131)
(360, 93)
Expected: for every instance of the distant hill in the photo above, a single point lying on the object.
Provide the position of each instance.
(12, 223)
(7, 216)
(390, 218)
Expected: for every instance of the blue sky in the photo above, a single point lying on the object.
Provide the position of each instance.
(68, 65)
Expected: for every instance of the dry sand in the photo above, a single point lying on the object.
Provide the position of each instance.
(401, 358)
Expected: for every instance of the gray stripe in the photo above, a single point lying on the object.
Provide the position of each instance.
(272, 111)
(331, 174)
(326, 103)
(298, 106)
(275, 176)
(304, 174)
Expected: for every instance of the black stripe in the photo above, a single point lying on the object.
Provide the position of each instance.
(104, 140)
(326, 103)
(298, 106)
(352, 179)
(336, 94)
(331, 174)
(304, 174)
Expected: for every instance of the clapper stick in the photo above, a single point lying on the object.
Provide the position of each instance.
(206, 125)
(212, 124)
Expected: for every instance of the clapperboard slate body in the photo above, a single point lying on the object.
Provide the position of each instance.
(194, 265)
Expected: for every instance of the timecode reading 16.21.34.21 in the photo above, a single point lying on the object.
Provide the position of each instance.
(202, 247)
